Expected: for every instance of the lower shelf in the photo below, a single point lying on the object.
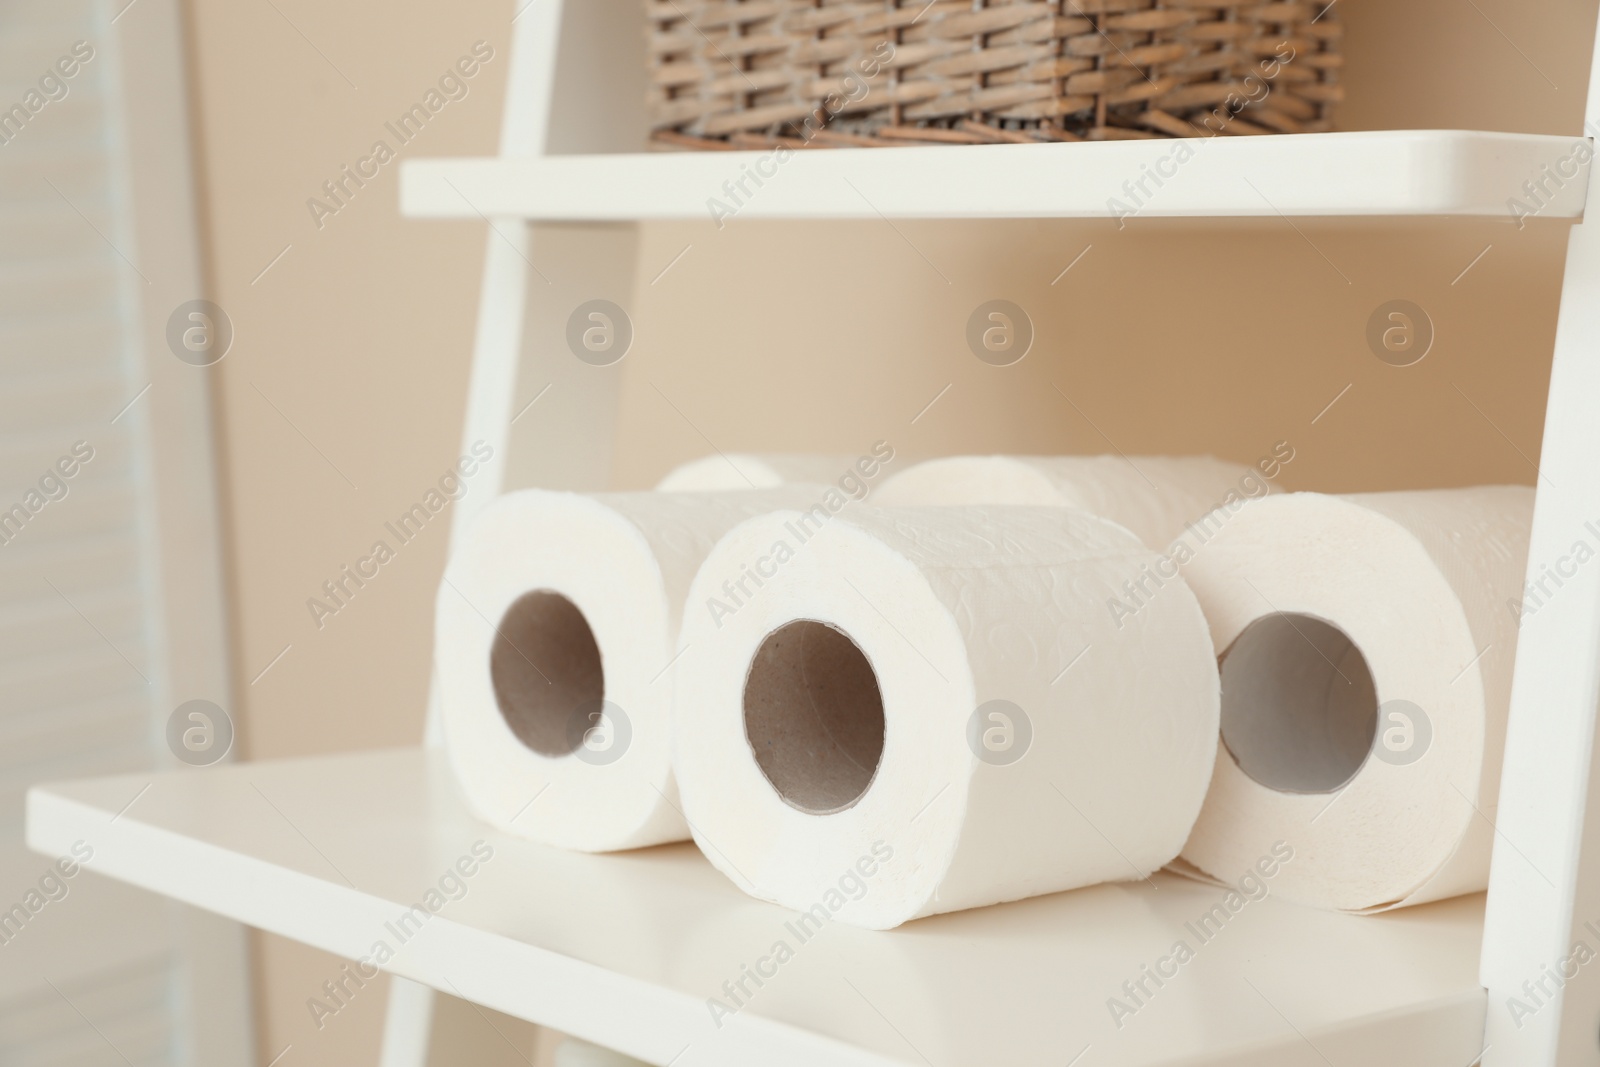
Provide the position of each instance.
(374, 856)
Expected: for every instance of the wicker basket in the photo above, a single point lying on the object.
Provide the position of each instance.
(816, 73)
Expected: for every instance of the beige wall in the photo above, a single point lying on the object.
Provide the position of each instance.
(341, 401)
(1164, 338)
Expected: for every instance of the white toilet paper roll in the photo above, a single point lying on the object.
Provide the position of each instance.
(556, 627)
(1367, 646)
(743, 470)
(921, 710)
(1154, 496)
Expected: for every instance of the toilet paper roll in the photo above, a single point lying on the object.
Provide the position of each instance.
(921, 710)
(1154, 496)
(744, 471)
(555, 632)
(1367, 645)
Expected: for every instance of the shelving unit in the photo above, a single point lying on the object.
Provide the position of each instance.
(625, 950)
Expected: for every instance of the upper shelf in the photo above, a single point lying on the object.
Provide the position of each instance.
(1424, 172)
(628, 950)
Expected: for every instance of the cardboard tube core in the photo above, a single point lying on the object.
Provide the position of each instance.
(545, 666)
(813, 716)
(1299, 707)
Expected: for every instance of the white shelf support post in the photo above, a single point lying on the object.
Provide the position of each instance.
(408, 1025)
(562, 95)
(1544, 889)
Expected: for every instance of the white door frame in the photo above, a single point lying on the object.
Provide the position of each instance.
(148, 61)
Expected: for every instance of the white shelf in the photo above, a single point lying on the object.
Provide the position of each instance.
(624, 950)
(1428, 172)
